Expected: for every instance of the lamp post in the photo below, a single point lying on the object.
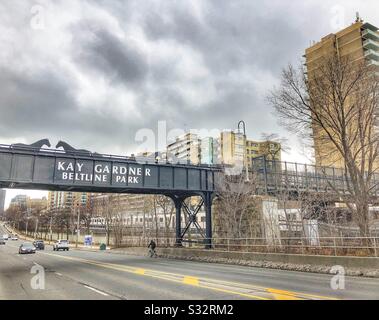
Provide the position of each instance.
(244, 147)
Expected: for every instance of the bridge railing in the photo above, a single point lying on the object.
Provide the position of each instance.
(275, 175)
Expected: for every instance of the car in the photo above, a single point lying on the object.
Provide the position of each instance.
(27, 247)
(5, 236)
(14, 237)
(2, 241)
(61, 245)
(39, 244)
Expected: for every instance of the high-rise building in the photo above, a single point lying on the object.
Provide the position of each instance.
(66, 200)
(36, 203)
(2, 201)
(185, 149)
(231, 148)
(20, 200)
(207, 154)
(358, 42)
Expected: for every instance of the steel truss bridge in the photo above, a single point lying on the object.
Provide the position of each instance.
(274, 177)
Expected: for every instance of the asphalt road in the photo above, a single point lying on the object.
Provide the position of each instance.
(79, 274)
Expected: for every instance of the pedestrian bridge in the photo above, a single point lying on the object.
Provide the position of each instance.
(275, 177)
(26, 167)
(46, 169)
(31, 167)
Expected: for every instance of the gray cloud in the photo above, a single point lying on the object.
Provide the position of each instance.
(101, 70)
(100, 50)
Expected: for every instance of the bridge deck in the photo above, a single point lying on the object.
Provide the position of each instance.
(278, 176)
(48, 169)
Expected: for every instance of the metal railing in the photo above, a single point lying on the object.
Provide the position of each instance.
(275, 176)
(327, 246)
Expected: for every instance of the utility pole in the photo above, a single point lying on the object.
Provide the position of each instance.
(77, 226)
(50, 229)
(244, 147)
(35, 231)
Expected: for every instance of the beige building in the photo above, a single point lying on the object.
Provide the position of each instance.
(230, 148)
(185, 148)
(37, 203)
(358, 42)
(272, 150)
(66, 200)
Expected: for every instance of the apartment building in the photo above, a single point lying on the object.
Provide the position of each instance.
(185, 149)
(358, 42)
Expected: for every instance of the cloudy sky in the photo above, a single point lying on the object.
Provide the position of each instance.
(94, 73)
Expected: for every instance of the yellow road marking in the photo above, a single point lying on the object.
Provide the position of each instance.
(191, 281)
(167, 278)
(282, 294)
(140, 271)
(205, 283)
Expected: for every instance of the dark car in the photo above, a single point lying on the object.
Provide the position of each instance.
(27, 247)
(39, 244)
(2, 241)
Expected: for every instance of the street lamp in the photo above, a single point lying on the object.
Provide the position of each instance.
(244, 147)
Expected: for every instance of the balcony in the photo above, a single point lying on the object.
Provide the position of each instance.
(372, 55)
(369, 34)
(370, 44)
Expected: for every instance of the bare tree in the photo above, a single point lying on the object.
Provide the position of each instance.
(118, 225)
(167, 209)
(104, 209)
(236, 207)
(87, 213)
(337, 106)
(273, 151)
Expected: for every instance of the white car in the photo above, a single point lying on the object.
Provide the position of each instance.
(61, 245)
(5, 236)
(14, 238)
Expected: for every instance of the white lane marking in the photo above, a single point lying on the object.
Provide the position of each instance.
(58, 274)
(98, 291)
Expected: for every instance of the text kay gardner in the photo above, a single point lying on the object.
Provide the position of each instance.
(101, 172)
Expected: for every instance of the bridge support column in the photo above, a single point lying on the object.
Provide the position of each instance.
(178, 222)
(208, 199)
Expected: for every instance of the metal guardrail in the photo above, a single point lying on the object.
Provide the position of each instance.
(328, 246)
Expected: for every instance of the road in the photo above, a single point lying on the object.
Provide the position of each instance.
(79, 274)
